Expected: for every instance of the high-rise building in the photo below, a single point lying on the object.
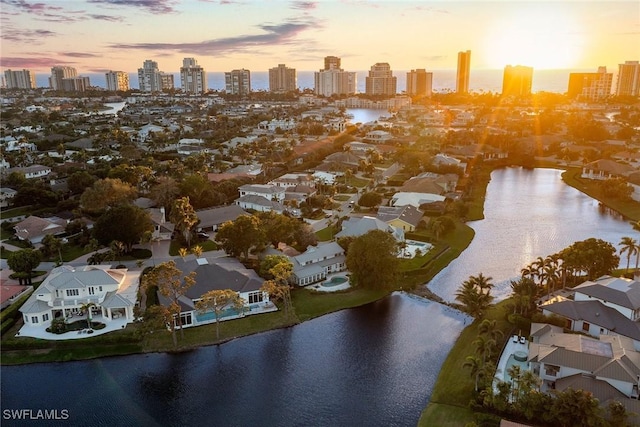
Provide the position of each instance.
(464, 69)
(20, 79)
(75, 84)
(419, 83)
(166, 81)
(282, 79)
(380, 80)
(517, 80)
(628, 79)
(590, 86)
(117, 80)
(58, 73)
(333, 80)
(151, 79)
(149, 76)
(331, 62)
(193, 78)
(238, 82)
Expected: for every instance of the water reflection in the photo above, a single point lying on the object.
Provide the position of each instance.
(528, 213)
(372, 365)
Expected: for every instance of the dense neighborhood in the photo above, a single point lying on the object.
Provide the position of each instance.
(136, 212)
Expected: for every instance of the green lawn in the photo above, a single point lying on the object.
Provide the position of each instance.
(326, 234)
(454, 386)
(441, 415)
(309, 304)
(630, 209)
(19, 211)
(207, 245)
(354, 181)
(439, 257)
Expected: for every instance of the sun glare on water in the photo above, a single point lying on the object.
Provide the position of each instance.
(535, 36)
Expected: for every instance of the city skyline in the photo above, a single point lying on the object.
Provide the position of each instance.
(96, 36)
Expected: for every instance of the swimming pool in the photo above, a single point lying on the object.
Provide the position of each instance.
(335, 281)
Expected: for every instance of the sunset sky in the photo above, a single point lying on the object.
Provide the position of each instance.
(100, 35)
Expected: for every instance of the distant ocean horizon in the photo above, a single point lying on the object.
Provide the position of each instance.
(479, 80)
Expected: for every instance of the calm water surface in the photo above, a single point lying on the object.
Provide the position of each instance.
(528, 213)
(374, 365)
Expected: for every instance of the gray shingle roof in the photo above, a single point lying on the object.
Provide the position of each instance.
(620, 291)
(596, 313)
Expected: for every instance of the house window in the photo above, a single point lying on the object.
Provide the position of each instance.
(551, 370)
(91, 290)
(34, 319)
(255, 297)
(45, 317)
(99, 288)
(585, 326)
(186, 319)
(73, 292)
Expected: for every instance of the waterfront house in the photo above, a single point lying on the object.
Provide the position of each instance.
(317, 262)
(619, 293)
(594, 318)
(219, 274)
(356, 227)
(604, 169)
(561, 359)
(65, 291)
(406, 217)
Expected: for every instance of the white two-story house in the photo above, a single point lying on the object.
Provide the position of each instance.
(67, 290)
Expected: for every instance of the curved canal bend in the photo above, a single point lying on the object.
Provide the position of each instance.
(528, 213)
(373, 365)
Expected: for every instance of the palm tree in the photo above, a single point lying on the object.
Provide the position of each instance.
(475, 365)
(87, 308)
(489, 328)
(629, 246)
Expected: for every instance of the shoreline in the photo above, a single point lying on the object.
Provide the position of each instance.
(126, 343)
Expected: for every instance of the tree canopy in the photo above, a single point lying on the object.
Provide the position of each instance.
(184, 218)
(126, 223)
(23, 262)
(172, 285)
(106, 193)
(373, 260)
(240, 236)
(475, 295)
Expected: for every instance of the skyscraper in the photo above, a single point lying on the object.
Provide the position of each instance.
(149, 77)
(58, 73)
(464, 68)
(590, 86)
(331, 62)
(282, 79)
(21, 79)
(333, 80)
(238, 82)
(628, 79)
(193, 78)
(166, 81)
(419, 83)
(117, 80)
(517, 80)
(75, 84)
(380, 80)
